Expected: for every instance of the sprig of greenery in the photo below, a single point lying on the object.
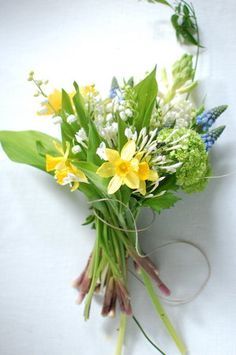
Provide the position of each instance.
(184, 21)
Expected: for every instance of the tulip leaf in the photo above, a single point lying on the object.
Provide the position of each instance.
(28, 147)
(146, 93)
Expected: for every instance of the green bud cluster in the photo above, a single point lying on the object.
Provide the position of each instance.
(191, 152)
(182, 76)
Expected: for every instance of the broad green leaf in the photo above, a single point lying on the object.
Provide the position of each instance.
(159, 203)
(80, 110)
(28, 147)
(146, 92)
(93, 142)
(169, 183)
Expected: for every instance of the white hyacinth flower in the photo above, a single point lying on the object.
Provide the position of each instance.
(123, 116)
(101, 151)
(81, 136)
(109, 117)
(130, 134)
(71, 119)
(76, 149)
(129, 112)
(57, 120)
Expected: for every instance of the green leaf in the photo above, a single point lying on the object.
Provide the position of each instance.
(28, 147)
(164, 2)
(169, 183)
(80, 110)
(122, 139)
(66, 103)
(90, 171)
(93, 142)
(114, 83)
(159, 203)
(146, 92)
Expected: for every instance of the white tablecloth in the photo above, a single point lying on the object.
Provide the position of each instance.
(43, 245)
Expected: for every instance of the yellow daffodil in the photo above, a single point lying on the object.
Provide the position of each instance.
(123, 168)
(65, 171)
(53, 104)
(144, 172)
(89, 90)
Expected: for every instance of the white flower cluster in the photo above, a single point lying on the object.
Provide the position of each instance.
(179, 115)
(108, 112)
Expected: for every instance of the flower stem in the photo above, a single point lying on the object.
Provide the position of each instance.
(161, 312)
(121, 335)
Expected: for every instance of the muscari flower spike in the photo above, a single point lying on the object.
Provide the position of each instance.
(209, 138)
(208, 118)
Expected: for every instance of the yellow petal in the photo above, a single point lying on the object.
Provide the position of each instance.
(112, 155)
(82, 177)
(134, 164)
(114, 184)
(128, 150)
(60, 175)
(52, 163)
(153, 175)
(54, 101)
(131, 180)
(139, 155)
(74, 186)
(142, 188)
(106, 170)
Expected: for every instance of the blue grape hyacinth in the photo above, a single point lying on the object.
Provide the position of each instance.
(210, 137)
(207, 118)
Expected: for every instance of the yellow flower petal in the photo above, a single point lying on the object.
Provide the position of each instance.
(60, 175)
(114, 184)
(131, 180)
(143, 170)
(134, 164)
(153, 175)
(112, 155)
(142, 187)
(52, 163)
(106, 170)
(128, 150)
(74, 186)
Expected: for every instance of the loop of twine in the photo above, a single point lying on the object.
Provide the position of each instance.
(176, 301)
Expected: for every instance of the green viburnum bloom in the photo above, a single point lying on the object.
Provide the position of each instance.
(191, 151)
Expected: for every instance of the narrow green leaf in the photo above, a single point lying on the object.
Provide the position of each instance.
(122, 139)
(93, 142)
(90, 171)
(26, 147)
(146, 92)
(66, 103)
(80, 110)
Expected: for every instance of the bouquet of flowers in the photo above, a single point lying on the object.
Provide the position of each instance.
(130, 150)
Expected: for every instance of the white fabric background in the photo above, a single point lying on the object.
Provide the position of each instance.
(42, 243)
